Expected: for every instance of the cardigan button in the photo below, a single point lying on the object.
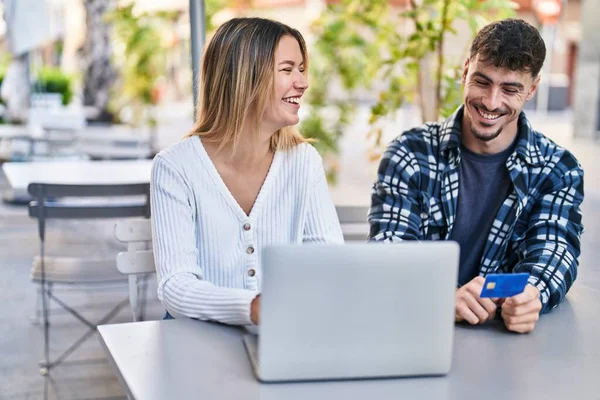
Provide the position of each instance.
(251, 272)
(247, 226)
(250, 250)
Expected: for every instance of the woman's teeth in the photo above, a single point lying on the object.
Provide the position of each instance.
(488, 115)
(293, 100)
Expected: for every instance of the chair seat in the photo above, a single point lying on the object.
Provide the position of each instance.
(76, 270)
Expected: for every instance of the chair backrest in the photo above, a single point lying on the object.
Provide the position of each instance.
(46, 202)
(137, 234)
(353, 220)
(138, 260)
(43, 192)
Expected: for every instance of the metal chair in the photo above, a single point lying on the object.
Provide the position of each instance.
(137, 262)
(64, 270)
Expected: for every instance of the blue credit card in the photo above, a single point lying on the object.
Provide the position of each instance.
(504, 285)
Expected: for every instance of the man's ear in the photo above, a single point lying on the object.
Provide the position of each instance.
(465, 71)
(534, 87)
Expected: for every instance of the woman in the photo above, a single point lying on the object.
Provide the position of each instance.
(241, 180)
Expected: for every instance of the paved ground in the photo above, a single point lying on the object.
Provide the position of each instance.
(91, 377)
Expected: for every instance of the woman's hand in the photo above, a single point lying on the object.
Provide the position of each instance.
(255, 310)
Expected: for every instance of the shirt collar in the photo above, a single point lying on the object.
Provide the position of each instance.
(526, 148)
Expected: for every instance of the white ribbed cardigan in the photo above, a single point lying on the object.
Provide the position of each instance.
(207, 250)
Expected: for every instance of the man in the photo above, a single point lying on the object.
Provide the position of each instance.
(484, 178)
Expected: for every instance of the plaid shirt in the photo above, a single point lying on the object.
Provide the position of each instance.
(537, 228)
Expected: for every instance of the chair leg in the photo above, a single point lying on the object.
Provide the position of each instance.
(46, 388)
(50, 385)
(92, 327)
(134, 291)
(45, 364)
(49, 287)
(144, 298)
(35, 319)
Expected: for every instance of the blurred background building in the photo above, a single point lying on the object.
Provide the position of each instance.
(72, 36)
(126, 66)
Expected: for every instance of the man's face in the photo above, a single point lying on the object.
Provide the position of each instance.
(494, 98)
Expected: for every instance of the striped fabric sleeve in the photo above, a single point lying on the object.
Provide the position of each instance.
(552, 245)
(181, 287)
(395, 212)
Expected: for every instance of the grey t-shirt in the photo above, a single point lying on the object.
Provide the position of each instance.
(484, 184)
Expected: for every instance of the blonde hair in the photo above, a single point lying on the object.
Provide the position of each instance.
(237, 81)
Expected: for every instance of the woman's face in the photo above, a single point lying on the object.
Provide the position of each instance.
(290, 83)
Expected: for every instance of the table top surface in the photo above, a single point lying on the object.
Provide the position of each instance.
(12, 131)
(192, 359)
(83, 172)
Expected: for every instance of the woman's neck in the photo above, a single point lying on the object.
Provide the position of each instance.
(251, 151)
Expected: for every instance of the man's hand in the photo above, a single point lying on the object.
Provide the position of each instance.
(255, 310)
(521, 312)
(472, 308)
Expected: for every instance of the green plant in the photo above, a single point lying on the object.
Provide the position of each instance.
(2, 74)
(140, 57)
(4, 61)
(212, 7)
(53, 80)
(327, 118)
(361, 42)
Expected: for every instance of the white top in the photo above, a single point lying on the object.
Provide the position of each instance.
(207, 250)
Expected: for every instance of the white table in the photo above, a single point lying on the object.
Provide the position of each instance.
(185, 359)
(15, 138)
(27, 141)
(21, 174)
(99, 142)
(114, 142)
(14, 131)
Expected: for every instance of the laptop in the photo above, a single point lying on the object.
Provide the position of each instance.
(355, 311)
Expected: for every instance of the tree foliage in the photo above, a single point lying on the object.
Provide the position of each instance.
(141, 59)
(367, 45)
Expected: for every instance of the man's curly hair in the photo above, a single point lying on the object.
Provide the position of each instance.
(512, 44)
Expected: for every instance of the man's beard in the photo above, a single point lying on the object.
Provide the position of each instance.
(485, 138)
